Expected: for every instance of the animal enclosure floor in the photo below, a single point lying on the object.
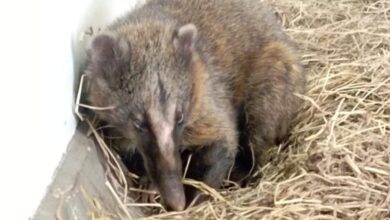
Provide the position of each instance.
(78, 190)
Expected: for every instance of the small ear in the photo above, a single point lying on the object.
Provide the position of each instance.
(107, 47)
(184, 39)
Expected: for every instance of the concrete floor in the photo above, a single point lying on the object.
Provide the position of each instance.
(78, 180)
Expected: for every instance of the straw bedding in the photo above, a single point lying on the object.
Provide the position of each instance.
(336, 164)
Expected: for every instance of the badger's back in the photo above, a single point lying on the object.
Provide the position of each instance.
(229, 30)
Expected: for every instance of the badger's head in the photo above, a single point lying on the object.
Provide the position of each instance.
(146, 74)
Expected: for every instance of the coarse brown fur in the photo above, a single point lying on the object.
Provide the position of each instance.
(201, 75)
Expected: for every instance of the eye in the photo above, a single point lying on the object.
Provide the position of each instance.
(139, 125)
(180, 118)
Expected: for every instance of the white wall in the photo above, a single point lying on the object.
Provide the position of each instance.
(36, 91)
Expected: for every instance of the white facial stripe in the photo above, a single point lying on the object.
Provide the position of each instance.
(163, 128)
(165, 142)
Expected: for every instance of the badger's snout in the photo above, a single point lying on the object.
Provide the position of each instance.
(172, 191)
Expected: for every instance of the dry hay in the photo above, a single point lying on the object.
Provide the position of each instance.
(336, 164)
